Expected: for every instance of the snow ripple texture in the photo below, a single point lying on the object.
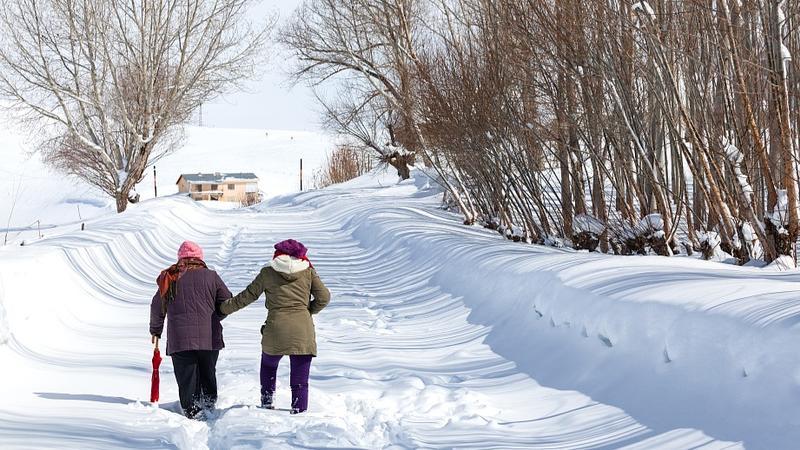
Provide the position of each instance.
(5, 332)
(438, 336)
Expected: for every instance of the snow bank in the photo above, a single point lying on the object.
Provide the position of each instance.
(782, 263)
(587, 223)
(673, 341)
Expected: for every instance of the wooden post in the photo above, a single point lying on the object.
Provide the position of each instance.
(301, 174)
(155, 182)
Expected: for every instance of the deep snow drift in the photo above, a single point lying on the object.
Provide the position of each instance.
(438, 336)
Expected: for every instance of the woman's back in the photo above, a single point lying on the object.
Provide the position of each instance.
(192, 321)
(288, 291)
(289, 285)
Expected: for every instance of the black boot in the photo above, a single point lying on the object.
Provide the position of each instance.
(194, 412)
(266, 400)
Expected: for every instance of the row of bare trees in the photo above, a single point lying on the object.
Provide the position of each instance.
(665, 126)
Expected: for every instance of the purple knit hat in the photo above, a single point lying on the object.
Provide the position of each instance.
(292, 248)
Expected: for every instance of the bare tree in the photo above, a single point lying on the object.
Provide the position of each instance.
(110, 80)
(372, 42)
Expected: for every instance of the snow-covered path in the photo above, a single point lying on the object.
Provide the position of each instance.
(402, 363)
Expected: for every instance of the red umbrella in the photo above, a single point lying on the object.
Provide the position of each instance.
(155, 379)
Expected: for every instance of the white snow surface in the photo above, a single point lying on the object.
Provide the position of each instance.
(585, 222)
(644, 7)
(786, 54)
(736, 158)
(438, 336)
(652, 223)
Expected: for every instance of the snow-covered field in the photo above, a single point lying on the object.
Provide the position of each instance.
(47, 202)
(438, 336)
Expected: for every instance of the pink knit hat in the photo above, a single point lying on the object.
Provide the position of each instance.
(190, 250)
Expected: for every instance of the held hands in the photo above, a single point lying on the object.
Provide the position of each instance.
(154, 340)
(218, 308)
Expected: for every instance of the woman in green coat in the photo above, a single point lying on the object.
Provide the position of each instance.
(289, 282)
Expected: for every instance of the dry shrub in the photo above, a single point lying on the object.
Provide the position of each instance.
(345, 163)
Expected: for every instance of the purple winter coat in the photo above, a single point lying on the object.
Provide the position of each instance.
(192, 320)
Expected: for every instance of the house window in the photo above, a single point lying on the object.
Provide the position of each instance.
(231, 187)
(198, 187)
(214, 187)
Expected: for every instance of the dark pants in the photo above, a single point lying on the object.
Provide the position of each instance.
(298, 379)
(196, 373)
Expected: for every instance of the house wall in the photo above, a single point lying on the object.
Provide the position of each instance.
(237, 194)
(183, 185)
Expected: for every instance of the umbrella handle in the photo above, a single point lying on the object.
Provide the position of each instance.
(155, 341)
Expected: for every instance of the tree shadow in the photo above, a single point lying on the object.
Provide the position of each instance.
(84, 397)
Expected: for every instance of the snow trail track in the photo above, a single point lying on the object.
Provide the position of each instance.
(404, 359)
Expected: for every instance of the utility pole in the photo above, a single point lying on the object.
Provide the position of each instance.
(301, 174)
(201, 114)
(155, 182)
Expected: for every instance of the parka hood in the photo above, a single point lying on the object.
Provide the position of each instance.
(288, 266)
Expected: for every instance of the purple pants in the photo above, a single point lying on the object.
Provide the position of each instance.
(298, 377)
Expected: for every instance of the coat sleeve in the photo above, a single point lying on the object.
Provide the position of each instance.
(244, 298)
(156, 316)
(322, 296)
(222, 293)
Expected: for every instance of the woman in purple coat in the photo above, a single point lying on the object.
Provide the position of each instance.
(188, 297)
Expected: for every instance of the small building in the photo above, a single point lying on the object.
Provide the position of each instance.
(224, 187)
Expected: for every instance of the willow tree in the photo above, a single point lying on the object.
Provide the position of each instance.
(109, 81)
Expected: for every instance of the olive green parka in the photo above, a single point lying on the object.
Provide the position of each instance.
(289, 285)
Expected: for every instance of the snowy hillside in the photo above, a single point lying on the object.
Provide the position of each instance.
(37, 193)
(273, 155)
(438, 336)
(29, 191)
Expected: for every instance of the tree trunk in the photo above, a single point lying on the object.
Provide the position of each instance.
(402, 163)
(781, 102)
(122, 200)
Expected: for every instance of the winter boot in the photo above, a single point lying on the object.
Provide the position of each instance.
(194, 412)
(266, 400)
(299, 398)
